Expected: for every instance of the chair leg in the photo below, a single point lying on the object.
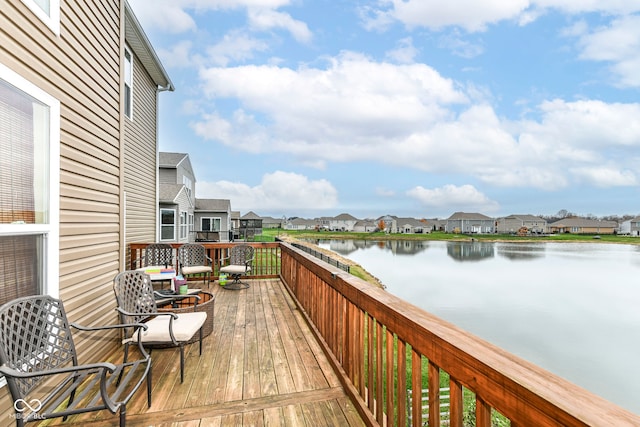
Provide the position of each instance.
(123, 415)
(149, 384)
(181, 362)
(200, 341)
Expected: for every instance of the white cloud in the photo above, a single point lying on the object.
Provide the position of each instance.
(266, 19)
(235, 46)
(473, 15)
(619, 44)
(279, 190)
(404, 53)
(452, 198)
(604, 177)
(406, 116)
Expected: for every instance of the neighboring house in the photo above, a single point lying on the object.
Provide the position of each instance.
(235, 224)
(144, 78)
(412, 226)
(630, 227)
(250, 226)
(389, 222)
(213, 220)
(342, 222)
(576, 225)
(301, 224)
(71, 148)
(365, 226)
(437, 224)
(270, 222)
(177, 200)
(470, 223)
(513, 223)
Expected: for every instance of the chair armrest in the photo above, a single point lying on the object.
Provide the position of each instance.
(106, 327)
(158, 313)
(176, 297)
(10, 372)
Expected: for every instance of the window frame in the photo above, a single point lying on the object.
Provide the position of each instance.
(128, 83)
(50, 230)
(52, 19)
(173, 226)
(211, 220)
(184, 225)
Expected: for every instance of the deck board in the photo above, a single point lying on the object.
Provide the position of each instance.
(261, 366)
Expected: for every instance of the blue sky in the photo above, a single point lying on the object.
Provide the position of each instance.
(405, 107)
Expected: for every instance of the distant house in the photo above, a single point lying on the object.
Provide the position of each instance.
(412, 226)
(250, 226)
(577, 225)
(213, 220)
(177, 197)
(342, 222)
(513, 223)
(470, 223)
(365, 226)
(235, 224)
(390, 223)
(301, 224)
(630, 227)
(270, 222)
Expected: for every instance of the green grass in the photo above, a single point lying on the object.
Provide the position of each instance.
(439, 235)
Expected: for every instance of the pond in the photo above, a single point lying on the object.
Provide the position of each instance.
(571, 308)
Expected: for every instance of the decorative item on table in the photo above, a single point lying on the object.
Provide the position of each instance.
(222, 279)
(178, 282)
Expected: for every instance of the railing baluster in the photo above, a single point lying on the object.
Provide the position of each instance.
(416, 389)
(434, 395)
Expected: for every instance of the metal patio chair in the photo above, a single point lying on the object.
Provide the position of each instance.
(160, 254)
(193, 260)
(136, 302)
(40, 364)
(240, 261)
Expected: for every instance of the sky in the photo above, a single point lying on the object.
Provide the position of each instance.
(417, 108)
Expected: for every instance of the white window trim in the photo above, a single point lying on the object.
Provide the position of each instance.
(52, 21)
(184, 225)
(211, 221)
(130, 78)
(51, 258)
(173, 239)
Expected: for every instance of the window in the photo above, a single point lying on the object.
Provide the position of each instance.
(183, 225)
(29, 188)
(128, 83)
(167, 224)
(191, 223)
(210, 224)
(186, 181)
(48, 11)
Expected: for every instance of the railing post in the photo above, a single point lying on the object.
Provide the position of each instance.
(434, 395)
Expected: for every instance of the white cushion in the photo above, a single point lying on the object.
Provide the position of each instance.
(195, 269)
(184, 327)
(235, 269)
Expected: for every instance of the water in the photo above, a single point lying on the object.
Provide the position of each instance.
(570, 308)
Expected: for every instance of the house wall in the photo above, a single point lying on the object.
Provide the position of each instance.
(80, 68)
(141, 160)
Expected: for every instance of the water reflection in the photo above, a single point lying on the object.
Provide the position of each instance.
(470, 251)
(521, 252)
(569, 308)
(395, 247)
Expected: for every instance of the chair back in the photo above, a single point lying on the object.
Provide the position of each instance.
(241, 255)
(134, 294)
(34, 325)
(192, 254)
(158, 254)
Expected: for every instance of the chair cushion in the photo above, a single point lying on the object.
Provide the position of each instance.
(184, 327)
(235, 269)
(195, 269)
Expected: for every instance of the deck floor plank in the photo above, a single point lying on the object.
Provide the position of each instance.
(261, 366)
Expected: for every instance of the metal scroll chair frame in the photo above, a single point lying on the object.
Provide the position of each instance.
(157, 254)
(240, 262)
(193, 260)
(136, 302)
(37, 347)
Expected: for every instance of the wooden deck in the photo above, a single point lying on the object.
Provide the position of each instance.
(261, 366)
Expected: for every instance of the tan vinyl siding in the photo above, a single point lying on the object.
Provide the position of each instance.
(81, 68)
(140, 160)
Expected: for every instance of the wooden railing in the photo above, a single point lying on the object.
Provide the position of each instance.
(383, 346)
(267, 257)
